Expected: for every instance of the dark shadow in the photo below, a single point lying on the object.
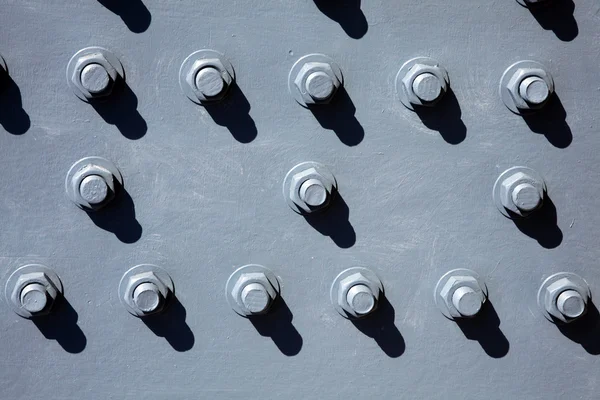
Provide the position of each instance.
(61, 325)
(551, 121)
(12, 116)
(585, 330)
(444, 117)
(277, 324)
(119, 218)
(170, 324)
(334, 222)
(120, 109)
(347, 13)
(485, 328)
(233, 112)
(338, 116)
(556, 16)
(380, 327)
(541, 225)
(133, 13)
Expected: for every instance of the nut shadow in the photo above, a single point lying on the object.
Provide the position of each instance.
(233, 112)
(61, 325)
(347, 13)
(380, 327)
(542, 225)
(445, 117)
(551, 121)
(133, 13)
(13, 117)
(485, 328)
(170, 324)
(119, 217)
(277, 324)
(120, 109)
(334, 222)
(557, 16)
(585, 330)
(338, 116)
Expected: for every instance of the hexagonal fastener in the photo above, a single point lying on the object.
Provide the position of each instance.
(93, 72)
(251, 290)
(93, 182)
(421, 81)
(460, 293)
(564, 297)
(355, 292)
(32, 290)
(205, 76)
(309, 187)
(314, 79)
(526, 86)
(519, 191)
(146, 289)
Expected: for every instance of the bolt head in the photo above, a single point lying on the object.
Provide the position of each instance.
(35, 292)
(254, 293)
(566, 300)
(521, 194)
(425, 85)
(146, 293)
(310, 190)
(462, 296)
(203, 78)
(533, 84)
(91, 73)
(358, 296)
(94, 185)
(317, 83)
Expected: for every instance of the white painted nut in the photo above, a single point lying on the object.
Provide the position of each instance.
(93, 72)
(564, 297)
(526, 86)
(460, 293)
(32, 290)
(519, 191)
(92, 183)
(421, 81)
(355, 292)
(314, 79)
(206, 76)
(251, 290)
(145, 290)
(309, 187)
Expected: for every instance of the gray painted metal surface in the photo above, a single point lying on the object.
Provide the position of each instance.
(202, 197)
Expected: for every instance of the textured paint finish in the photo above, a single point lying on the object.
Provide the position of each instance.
(203, 197)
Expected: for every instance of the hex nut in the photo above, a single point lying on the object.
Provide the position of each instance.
(140, 276)
(519, 191)
(252, 290)
(421, 82)
(460, 293)
(93, 194)
(90, 56)
(198, 80)
(512, 91)
(309, 187)
(550, 297)
(42, 280)
(314, 79)
(365, 284)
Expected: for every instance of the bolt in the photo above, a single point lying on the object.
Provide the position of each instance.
(534, 91)
(521, 191)
(313, 193)
(466, 301)
(421, 81)
(255, 298)
(34, 298)
(427, 87)
(460, 293)
(361, 299)
(314, 79)
(320, 86)
(95, 78)
(93, 189)
(209, 82)
(526, 197)
(147, 297)
(571, 304)
(310, 187)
